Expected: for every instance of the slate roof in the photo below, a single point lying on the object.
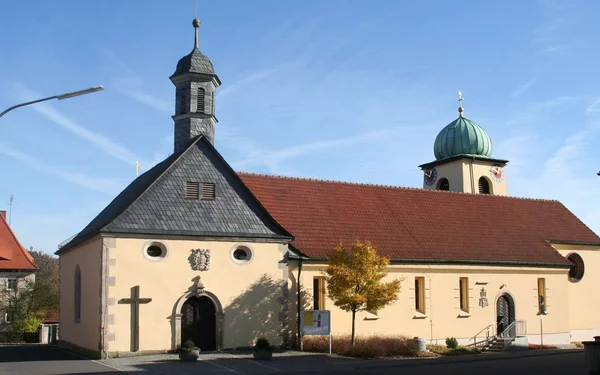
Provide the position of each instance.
(155, 203)
(13, 255)
(418, 225)
(195, 62)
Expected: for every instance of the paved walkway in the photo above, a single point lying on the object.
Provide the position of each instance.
(232, 362)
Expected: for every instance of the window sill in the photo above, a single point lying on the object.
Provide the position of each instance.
(419, 315)
(371, 316)
(463, 314)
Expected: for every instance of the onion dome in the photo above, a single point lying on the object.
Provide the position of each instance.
(462, 137)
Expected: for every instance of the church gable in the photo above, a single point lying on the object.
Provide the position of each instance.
(192, 193)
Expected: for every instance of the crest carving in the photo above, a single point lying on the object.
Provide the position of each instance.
(200, 259)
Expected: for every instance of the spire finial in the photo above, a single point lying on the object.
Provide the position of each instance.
(460, 107)
(196, 24)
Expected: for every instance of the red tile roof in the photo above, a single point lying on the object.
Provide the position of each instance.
(13, 255)
(51, 317)
(416, 224)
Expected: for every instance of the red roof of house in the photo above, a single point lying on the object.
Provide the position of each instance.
(51, 317)
(417, 224)
(13, 255)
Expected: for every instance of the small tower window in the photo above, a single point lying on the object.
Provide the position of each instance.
(577, 269)
(192, 190)
(182, 100)
(208, 190)
(77, 295)
(212, 98)
(200, 100)
(443, 184)
(484, 186)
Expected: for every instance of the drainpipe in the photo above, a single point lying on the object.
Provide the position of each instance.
(299, 304)
(472, 177)
(430, 305)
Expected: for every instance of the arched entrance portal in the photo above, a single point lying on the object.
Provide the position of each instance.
(505, 312)
(199, 323)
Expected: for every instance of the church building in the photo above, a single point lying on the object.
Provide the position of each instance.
(192, 249)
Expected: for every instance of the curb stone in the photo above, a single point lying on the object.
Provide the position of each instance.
(464, 358)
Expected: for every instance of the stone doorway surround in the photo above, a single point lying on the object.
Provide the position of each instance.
(176, 317)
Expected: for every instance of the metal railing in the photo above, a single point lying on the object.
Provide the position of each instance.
(514, 329)
(487, 335)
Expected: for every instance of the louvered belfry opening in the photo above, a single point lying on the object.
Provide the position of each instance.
(484, 186)
(182, 100)
(192, 190)
(443, 184)
(200, 100)
(208, 190)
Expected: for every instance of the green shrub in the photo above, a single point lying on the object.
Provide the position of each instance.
(451, 343)
(262, 343)
(189, 346)
(365, 347)
(29, 323)
(443, 350)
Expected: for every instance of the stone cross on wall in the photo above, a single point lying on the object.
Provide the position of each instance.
(135, 302)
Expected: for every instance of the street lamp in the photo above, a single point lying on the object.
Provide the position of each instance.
(67, 95)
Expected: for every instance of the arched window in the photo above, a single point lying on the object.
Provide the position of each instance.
(443, 184)
(484, 186)
(200, 100)
(182, 105)
(77, 295)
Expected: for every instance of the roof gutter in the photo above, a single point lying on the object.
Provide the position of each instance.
(469, 263)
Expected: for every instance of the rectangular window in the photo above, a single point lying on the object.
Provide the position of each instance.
(11, 284)
(420, 294)
(8, 317)
(208, 191)
(542, 296)
(192, 190)
(464, 293)
(319, 293)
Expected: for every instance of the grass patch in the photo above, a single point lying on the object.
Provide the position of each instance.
(369, 347)
(460, 350)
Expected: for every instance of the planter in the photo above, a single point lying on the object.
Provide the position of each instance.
(189, 356)
(263, 354)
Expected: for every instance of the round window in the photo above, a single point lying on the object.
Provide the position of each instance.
(241, 254)
(155, 251)
(577, 268)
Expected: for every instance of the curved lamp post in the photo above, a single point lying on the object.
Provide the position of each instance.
(59, 97)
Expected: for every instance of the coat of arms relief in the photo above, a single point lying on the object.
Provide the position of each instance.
(200, 259)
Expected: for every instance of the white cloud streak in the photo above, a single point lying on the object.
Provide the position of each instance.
(103, 185)
(521, 89)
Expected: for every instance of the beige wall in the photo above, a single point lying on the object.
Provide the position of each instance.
(458, 173)
(443, 317)
(86, 333)
(584, 300)
(251, 294)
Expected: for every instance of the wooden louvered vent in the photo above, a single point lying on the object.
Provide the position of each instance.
(192, 190)
(208, 190)
(200, 100)
(182, 100)
(484, 186)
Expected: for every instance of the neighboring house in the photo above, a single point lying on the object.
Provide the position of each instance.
(193, 250)
(16, 266)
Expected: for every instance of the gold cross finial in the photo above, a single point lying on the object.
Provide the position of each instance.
(460, 107)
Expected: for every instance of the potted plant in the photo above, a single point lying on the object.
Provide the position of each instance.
(262, 349)
(189, 352)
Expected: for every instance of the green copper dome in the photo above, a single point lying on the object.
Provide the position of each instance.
(462, 136)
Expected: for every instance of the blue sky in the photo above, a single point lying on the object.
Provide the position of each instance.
(341, 90)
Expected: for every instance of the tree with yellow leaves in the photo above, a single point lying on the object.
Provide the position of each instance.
(354, 280)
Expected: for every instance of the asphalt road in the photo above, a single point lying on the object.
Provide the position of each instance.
(39, 360)
(45, 360)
